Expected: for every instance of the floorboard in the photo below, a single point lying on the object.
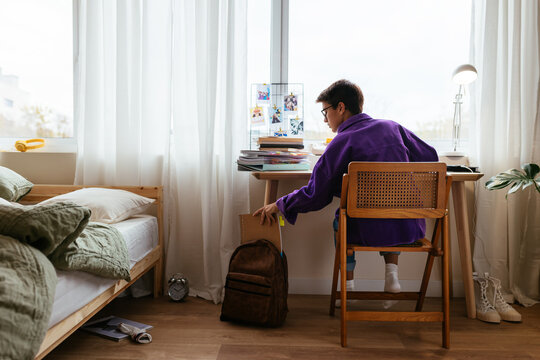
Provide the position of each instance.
(192, 330)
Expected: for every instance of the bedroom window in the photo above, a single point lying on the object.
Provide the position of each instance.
(258, 42)
(36, 69)
(401, 53)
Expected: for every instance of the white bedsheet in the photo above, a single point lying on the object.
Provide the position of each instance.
(76, 289)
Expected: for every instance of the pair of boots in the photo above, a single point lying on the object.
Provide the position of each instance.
(490, 304)
(391, 285)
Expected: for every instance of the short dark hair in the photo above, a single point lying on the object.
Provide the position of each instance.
(346, 92)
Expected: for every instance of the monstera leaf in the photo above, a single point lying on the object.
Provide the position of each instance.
(516, 179)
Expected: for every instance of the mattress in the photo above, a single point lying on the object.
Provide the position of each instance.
(76, 289)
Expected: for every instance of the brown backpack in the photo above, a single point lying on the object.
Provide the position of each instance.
(257, 285)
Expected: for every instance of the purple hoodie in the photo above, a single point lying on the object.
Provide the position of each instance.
(361, 138)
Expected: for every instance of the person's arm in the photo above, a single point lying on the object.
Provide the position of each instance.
(325, 181)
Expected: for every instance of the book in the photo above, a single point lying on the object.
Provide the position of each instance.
(107, 327)
(276, 146)
(285, 148)
(273, 154)
(269, 161)
(287, 166)
(279, 139)
(274, 167)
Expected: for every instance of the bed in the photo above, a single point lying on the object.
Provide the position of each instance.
(144, 237)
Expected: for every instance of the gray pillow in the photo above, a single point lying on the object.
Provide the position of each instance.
(100, 249)
(49, 228)
(12, 185)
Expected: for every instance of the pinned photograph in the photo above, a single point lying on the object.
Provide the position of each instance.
(290, 102)
(263, 93)
(296, 126)
(256, 115)
(276, 115)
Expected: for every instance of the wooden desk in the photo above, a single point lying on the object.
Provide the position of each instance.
(463, 235)
(460, 212)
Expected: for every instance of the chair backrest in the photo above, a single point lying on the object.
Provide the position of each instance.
(395, 190)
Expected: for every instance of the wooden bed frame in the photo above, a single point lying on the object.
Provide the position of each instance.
(59, 332)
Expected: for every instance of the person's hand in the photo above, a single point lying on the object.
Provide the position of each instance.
(267, 212)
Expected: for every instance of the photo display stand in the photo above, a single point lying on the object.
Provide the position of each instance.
(276, 109)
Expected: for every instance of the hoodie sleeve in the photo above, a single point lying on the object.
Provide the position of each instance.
(324, 183)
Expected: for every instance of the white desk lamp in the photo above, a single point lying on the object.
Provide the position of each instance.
(463, 75)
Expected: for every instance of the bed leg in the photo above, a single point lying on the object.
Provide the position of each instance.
(158, 278)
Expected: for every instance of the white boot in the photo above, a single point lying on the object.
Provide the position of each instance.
(391, 281)
(350, 287)
(484, 310)
(506, 312)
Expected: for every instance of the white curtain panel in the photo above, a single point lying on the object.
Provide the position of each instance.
(505, 49)
(123, 91)
(209, 128)
(161, 99)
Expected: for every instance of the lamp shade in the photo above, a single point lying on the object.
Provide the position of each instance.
(464, 74)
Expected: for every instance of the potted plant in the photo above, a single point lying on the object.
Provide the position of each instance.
(516, 178)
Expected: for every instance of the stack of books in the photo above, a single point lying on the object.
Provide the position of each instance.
(271, 160)
(280, 143)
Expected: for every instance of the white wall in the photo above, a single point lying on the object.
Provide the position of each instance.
(41, 167)
(309, 244)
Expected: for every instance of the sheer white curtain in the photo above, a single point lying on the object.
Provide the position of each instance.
(123, 91)
(161, 100)
(209, 120)
(505, 49)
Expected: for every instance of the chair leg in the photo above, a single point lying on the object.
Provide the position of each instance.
(334, 281)
(343, 270)
(425, 282)
(446, 285)
(343, 305)
(158, 278)
(429, 266)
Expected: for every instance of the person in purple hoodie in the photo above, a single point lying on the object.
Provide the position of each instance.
(359, 138)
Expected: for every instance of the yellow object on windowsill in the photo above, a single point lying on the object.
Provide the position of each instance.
(23, 145)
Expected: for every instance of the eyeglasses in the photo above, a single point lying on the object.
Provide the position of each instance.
(324, 112)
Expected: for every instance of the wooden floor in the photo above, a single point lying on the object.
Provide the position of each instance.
(192, 330)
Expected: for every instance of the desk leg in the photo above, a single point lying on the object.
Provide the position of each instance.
(464, 242)
(270, 193)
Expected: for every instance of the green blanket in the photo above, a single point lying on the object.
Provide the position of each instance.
(27, 286)
(27, 276)
(49, 228)
(100, 250)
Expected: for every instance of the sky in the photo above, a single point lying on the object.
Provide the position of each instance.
(36, 44)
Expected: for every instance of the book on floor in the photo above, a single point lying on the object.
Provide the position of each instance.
(107, 327)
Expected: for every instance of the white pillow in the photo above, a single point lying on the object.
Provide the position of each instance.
(108, 206)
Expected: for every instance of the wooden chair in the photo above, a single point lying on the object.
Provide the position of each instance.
(394, 191)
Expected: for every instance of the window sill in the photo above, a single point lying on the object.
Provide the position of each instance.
(52, 146)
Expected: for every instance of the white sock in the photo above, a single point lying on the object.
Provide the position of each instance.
(350, 285)
(391, 281)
